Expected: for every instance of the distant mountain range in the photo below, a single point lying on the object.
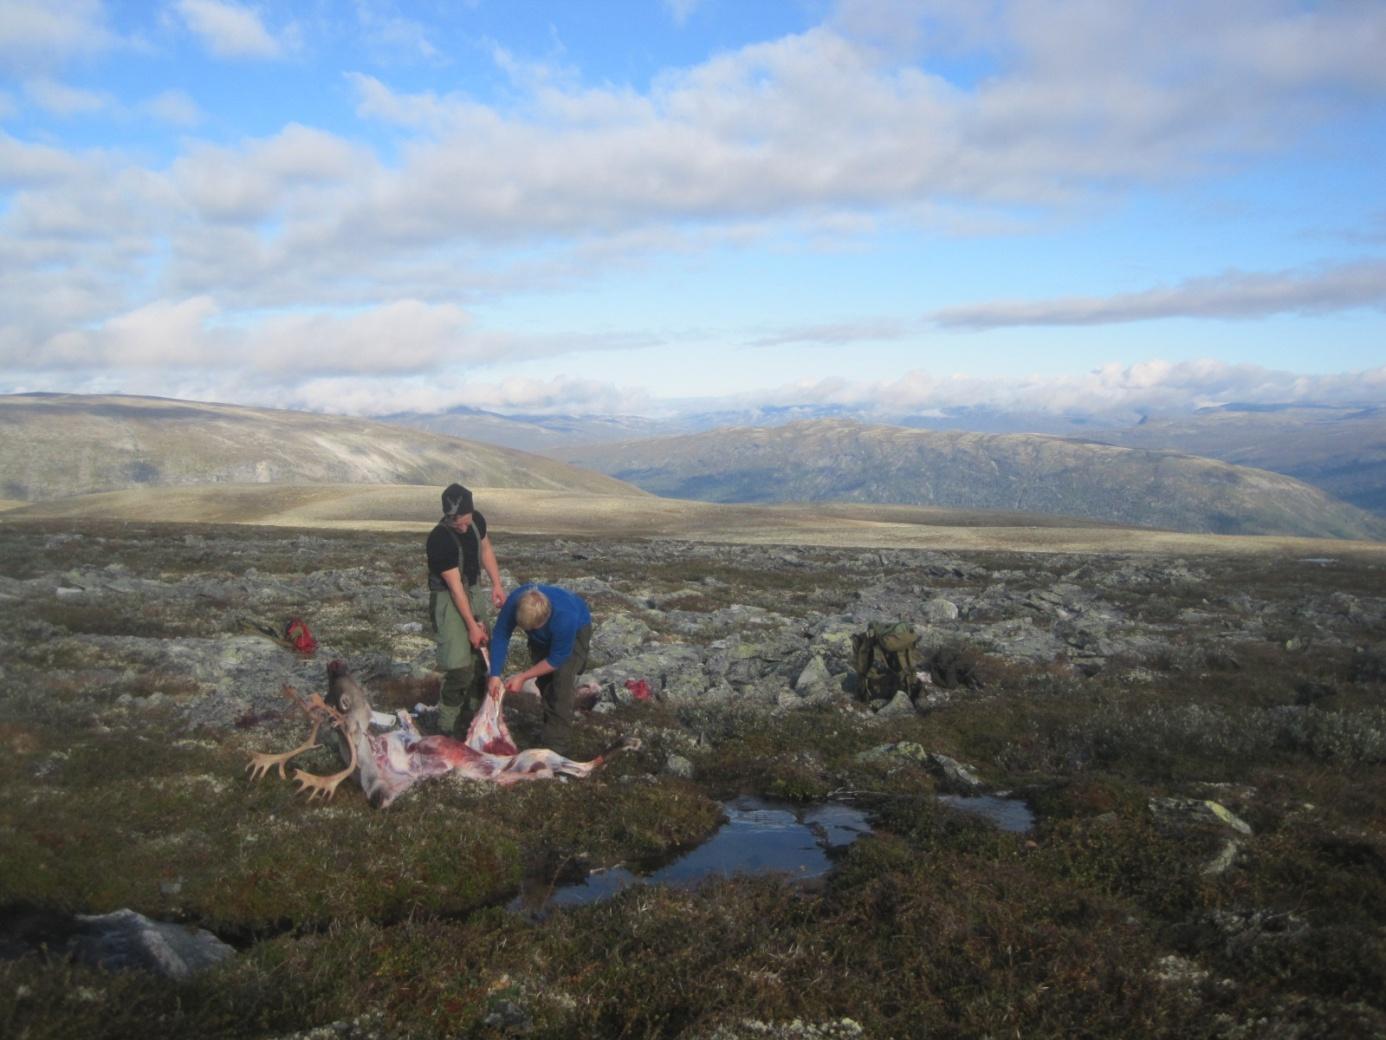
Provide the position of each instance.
(58, 445)
(544, 434)
(1340, 450)
(55, 446)
(840, 460)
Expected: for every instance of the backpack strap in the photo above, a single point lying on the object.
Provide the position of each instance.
(461, 553)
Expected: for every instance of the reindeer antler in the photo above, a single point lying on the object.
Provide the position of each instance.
(261, 762)
(319, 711)
(326, 786)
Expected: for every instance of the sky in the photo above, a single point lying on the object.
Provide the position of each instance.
(648, 206)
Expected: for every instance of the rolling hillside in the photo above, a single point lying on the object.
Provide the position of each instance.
(1341, 450)
(59, 445)
(838, 460)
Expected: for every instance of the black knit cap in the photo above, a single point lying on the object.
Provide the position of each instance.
(457, 500)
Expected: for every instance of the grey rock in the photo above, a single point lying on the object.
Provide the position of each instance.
(1180, 812)
(904, 749)
(954, 774)
(509, 1016)
(795, 1029)
(673, 670)
(1226, 856)
(677, 765)
(940, 610)
(617, 636)
(898, 707)
(126, 940)
(814, 678)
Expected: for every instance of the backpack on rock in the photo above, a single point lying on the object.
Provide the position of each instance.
(886, 658)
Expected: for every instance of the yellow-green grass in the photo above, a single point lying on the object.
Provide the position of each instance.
(559, 513)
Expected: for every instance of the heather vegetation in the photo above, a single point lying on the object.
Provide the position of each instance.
(1202, 740)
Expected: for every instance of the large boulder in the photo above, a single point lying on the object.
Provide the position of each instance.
(124, 940)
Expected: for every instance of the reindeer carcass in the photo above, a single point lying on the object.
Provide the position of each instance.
(391, 762)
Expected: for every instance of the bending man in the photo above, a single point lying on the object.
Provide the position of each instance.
(559, 627)
(458, 549)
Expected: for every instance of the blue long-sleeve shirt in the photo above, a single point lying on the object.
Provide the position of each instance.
(556, 635)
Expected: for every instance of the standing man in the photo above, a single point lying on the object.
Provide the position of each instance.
(458, 550)
(559, 627)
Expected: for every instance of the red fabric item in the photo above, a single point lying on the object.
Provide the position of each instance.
(296, 632)
(639, 689)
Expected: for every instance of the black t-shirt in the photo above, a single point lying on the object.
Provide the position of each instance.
(448, 548)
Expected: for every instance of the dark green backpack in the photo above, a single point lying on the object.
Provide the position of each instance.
(886, 658)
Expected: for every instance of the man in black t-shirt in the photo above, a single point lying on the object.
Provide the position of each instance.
(458, 551)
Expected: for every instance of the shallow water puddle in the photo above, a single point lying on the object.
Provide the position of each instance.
(759, 837)
(1009, 814)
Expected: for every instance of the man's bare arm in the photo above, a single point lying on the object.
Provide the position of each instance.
(535, 671)
(488, 561)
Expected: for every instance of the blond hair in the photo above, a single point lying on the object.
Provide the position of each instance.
(534, 609)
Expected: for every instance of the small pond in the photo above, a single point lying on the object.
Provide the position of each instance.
(761, 837)
(1008, 814)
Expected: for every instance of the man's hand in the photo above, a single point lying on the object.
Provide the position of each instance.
(494, 687)
(497, 596)
(515, 684)
(476, 635)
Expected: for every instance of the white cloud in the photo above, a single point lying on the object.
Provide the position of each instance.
(388, 34)
(62, 100)
(681, 10)
(1126, 390)
(558, 396)
(838, 334)
(1233, 294)
(38, 34)
(194, 333)
(265, 176)
(229, 30)
(23, 163)
(175, 107)
(829, 131)
(822, 122)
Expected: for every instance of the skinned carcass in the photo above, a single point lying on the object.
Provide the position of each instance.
(389, 763)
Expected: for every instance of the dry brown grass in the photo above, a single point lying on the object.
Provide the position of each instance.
(559, 513)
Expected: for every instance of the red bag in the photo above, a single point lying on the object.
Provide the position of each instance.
(296, 634)
(639, 689)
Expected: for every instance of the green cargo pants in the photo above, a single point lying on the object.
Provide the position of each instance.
(464, 672)
(558, 691)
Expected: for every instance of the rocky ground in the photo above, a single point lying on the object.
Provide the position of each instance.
(1203, 740)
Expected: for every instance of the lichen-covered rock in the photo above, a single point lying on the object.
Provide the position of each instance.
(1181, 812)
(618, 636)
(898, 707)
(939, 610)
(954, 774)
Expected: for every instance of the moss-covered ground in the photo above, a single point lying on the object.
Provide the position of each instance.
(1105, 921)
